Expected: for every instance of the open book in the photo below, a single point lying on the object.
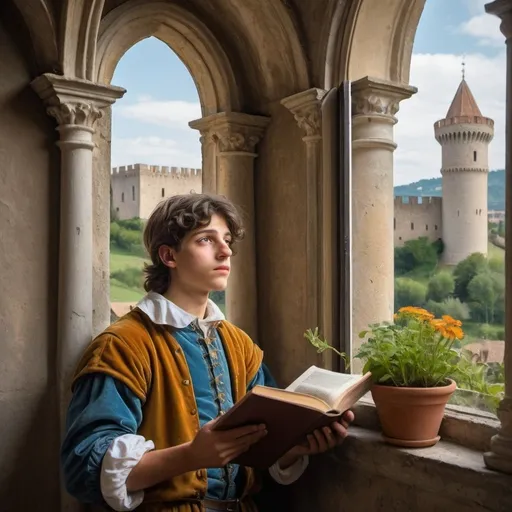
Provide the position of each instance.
(315, 399)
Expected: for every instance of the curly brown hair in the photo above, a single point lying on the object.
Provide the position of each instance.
(172, 220)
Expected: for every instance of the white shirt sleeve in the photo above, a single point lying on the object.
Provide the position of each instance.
(290, 474)
(123, 454)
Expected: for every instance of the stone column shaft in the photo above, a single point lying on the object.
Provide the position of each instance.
(76, 105)
(306, 108)
(235, 136)
(75, 250)
(500, 456)
(374, 105)
(209, 157)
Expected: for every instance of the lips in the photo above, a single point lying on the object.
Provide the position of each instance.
(222, 267)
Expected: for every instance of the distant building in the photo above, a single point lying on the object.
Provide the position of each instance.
(496, 216)
(137, 189)
(460, 216)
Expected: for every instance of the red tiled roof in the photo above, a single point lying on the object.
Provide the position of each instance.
(464, 103)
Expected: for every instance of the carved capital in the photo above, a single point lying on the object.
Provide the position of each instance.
(232, 132)
(372, 96)
(75, 102)
(502, 9)
(306, 108)
(84, 114)
(229, 140)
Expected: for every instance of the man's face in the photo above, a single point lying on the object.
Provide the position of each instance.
(203, 262)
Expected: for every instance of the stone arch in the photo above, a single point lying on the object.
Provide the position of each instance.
(192, 41)
(40, 23)
(371, 38)
(230, 54)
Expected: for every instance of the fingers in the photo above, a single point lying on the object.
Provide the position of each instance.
(228, 452)
(313, 444)
(348, 416)
(240, 442)
(240, 432)
(340, 431)
(330, 437)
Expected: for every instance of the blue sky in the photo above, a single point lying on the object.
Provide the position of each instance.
(150, 124)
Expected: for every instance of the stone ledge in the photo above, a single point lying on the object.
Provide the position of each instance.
(458, 473)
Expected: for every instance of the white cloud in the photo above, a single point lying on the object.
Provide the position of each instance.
(437, 77)
(155, 150)
(169, 114)
(166, 137)
(486, 28)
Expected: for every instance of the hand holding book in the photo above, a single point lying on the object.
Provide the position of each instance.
(316, 399)
(320, 440)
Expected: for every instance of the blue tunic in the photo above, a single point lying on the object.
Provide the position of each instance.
(103, 408)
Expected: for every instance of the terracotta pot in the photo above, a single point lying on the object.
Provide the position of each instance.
(411, 416)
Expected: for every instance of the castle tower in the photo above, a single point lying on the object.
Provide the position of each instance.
(464, 135)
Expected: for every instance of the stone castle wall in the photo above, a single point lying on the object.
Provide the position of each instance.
(417, 216)
(137, 189)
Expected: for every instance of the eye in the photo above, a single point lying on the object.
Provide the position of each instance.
(205, 239)
(229, 242)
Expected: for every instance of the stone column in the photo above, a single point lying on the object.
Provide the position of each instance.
(500, 456)
(209, 167)
(236, 136)
(374, 105)
(76, 105)
(306, 108)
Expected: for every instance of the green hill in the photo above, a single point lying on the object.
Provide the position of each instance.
(433, 187)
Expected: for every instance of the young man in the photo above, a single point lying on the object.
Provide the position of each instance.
(148, 390)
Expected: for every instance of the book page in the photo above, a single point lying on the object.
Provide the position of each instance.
(323, 384)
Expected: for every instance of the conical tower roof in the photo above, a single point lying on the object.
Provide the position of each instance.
(464, 103)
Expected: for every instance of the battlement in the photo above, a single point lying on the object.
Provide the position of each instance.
(155, 170)
(418, 200)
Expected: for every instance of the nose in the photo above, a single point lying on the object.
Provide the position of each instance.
(225, 250)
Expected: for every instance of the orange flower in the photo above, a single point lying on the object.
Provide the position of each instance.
(451, 321)
(419, 313)
(449, 329)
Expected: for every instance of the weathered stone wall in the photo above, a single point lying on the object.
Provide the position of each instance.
(416, 217)
(29, 213)
(157, 183)
(280, 179)
(137, 189)
(125, 183)
(101, 225)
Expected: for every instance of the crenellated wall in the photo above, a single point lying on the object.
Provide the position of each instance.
(138, 188)
(416, 217)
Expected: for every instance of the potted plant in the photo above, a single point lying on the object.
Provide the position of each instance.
(413, 363)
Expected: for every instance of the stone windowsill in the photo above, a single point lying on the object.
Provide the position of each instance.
(457, 472)
(454, 466)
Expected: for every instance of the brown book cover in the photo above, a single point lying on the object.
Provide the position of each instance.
(291, 414)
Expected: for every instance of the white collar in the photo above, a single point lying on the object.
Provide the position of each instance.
(162, 311)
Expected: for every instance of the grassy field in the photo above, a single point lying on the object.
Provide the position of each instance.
(120, 260)
(495, 252)
(119, 292)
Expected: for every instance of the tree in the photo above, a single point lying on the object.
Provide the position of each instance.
(482, 296)
(440, 286)
(416, 254)
(450, 306)
(409, 293)
(465, 271)
(497, 265)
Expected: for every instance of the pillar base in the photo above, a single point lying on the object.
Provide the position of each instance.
(500, 456)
